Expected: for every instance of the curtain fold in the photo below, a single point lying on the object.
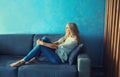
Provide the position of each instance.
(112, 39)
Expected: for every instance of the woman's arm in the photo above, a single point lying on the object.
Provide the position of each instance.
(61, 40)
(50, 45)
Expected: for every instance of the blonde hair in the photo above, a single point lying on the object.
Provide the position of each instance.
(74, 31)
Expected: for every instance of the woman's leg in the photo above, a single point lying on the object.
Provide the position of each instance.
(45, 39)
(48, 52)
(50, 55)
(32, 53)
(29, 56)
(35, 52)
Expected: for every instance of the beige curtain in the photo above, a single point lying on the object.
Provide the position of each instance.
(112, 39)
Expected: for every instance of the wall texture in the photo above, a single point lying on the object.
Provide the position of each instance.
(51, 16)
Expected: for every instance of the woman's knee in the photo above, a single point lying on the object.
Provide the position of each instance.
(45, 39)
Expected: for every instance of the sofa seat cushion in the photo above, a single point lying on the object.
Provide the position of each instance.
(5, 69)
(47, 70)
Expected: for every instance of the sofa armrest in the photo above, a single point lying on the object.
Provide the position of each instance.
(83, 65)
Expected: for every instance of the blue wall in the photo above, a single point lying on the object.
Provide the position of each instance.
(51, 16)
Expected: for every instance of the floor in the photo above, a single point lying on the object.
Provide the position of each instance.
(97, 73)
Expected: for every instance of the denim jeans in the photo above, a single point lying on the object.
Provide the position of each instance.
(48, 52)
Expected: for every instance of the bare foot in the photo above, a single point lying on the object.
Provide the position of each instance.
(18, 63)
(33, 60)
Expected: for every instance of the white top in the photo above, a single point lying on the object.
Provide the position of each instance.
(65, 48)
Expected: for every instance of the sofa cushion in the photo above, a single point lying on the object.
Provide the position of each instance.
(8, 72)
(47, 70)
(74, 53)
(5, 69)
(15, 44)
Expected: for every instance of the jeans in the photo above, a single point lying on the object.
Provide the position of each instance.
(48, 52)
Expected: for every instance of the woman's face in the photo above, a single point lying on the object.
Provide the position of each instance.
(67, 30)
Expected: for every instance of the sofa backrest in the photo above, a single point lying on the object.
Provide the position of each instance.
(15, 44)
(21, 44)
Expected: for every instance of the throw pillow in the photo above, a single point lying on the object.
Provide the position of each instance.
(74, 53)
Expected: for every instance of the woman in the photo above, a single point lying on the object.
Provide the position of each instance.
(56, 52)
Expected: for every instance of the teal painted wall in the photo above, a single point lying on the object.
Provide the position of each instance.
(51, 16)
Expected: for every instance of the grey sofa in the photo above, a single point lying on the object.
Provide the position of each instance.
(14, 46)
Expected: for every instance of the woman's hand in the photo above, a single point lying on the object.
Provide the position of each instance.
(50, 45)
(39, 42)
